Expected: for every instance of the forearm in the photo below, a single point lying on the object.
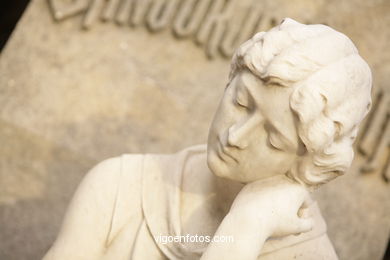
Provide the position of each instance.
(248, 239)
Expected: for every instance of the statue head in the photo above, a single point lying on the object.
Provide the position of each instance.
(295, 98)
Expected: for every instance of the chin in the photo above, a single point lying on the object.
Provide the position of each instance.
(220, 169)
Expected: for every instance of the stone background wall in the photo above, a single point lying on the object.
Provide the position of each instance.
(70, 98)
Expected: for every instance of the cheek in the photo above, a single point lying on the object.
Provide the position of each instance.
(278, 162)
(266, 161)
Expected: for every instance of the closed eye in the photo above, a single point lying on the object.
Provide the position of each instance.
(275, 142)
(277, 139)
(241, 98)
(241, 103)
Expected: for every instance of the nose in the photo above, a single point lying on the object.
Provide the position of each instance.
(238, 136)
(241, 133)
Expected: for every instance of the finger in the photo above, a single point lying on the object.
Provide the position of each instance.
(303, 212)
(303, 225)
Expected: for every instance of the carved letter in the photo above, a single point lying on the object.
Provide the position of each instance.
(241, 26)
(109, 12)
(124, 12)
(93, 13)
(376, 138)
(61, 12)
(212, 28)
(378, 115)
(140, 9)
(160, 14)
(189, 17)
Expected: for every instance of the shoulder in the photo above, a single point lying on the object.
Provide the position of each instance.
(109, 182)
(103, 173)
(99, 184)
(108, 173)
(93, 205)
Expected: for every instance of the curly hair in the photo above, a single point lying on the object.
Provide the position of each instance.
(331, 96)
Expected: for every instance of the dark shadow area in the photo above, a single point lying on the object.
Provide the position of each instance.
(10, 13)
(387, 254)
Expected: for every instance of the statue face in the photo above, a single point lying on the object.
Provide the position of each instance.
(253, 134)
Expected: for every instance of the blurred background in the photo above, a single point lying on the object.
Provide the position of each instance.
(85, 80)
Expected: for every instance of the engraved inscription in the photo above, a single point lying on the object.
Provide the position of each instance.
(219, 26)
(375, 141)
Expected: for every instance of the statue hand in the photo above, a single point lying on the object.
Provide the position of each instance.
(273, 205)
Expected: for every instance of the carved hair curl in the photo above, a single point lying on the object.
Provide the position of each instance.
(332, 91)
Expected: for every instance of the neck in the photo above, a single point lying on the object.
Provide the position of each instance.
(199, 179)
(226, 191)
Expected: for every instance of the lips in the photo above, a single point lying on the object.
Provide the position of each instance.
(223, 152)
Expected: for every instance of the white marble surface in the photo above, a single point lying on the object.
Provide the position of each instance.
(53, 118)
(285, 125)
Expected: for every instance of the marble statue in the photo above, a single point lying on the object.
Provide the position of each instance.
(286, 125)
